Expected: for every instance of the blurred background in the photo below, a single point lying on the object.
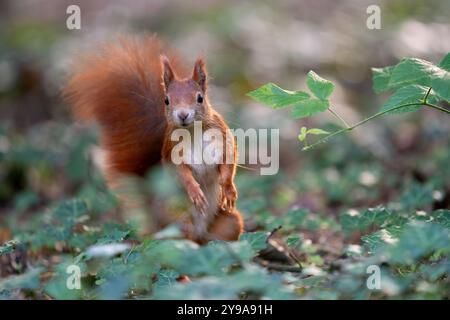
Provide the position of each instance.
(44, 156)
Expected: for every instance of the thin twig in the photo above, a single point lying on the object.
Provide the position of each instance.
(426, 96)
(339, 117)
(376, 115)
(128, 255)
(436, 107)
(271, 234)
(279, 267)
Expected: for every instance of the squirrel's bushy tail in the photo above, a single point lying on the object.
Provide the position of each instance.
(118, 86)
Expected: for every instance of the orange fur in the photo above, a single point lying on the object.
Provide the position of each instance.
(122, 88)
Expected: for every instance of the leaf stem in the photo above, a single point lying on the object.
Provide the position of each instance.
(376, 115)
(436, 107)
(339, 117)
(426, 96)
(425, 103)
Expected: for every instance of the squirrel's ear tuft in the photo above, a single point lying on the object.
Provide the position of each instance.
(167, 72)
(199, 74)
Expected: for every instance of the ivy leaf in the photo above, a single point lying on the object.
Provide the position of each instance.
(442, 217)
(365, 220)
(68, 212)
(417, 196)
(57, 286)
(380, 78)
(252, 279)
(435, 271)
(257, 240)
(309, 107)
(380, 238)
(319, 86)
(9, 246)
(167, 278)
(214, 258)
(406, 95)
(27, 280)
(374, 216)
(170, 253)
(418, 240)
(272, 95)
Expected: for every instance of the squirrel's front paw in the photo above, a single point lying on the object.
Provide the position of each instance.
(198, 199)
(229, 197)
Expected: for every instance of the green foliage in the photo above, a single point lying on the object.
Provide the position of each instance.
(250, 280)
(303, 105)
(405, 237)
(8, 246)
(417, 83)
(28, 281)
(340, 211)
(309, 107)
(320, 87)
(414, 72)
(353, 220)
(272, 95)
(419, 240)
(404, 96)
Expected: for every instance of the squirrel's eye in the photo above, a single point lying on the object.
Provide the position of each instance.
(166, 100)
(199, 98)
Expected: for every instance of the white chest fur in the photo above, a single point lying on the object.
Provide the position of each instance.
(203, 157)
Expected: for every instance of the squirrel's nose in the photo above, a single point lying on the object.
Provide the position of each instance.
(183, 115)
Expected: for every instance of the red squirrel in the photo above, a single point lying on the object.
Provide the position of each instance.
(138, 93)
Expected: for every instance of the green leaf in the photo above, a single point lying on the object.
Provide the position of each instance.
(417, 196)
(303, 133)
(215, 258)
(294, 240)
(406, 95)
(355, 221)
(9, 246)
(380, 78)
(167, 278)
(380, 238)
(257, 240)
(419, 240)
(170, 253)
(252, 279)
(309, 107)
(442, 217)
(295, 217)
(272, 95)
(319, 86)
(374, 216)
(69, 211)
(317, 131)
(28, 280)
(412, 71)
(441, 84)
(57, 287)
(435, 271)
(445, 63)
